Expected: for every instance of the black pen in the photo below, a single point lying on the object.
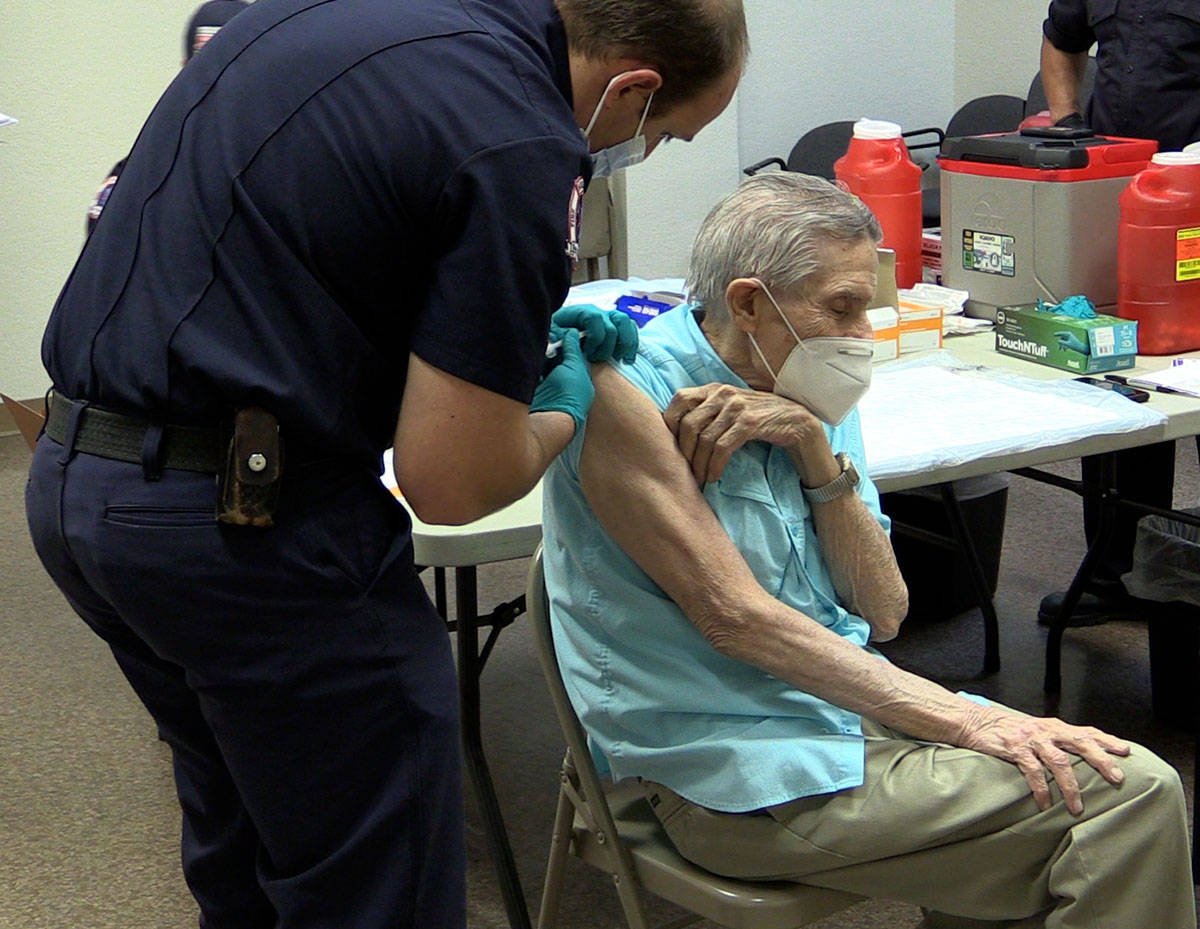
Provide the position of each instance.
(1158, 388)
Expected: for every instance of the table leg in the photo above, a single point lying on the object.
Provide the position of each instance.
(469, 667)
(1105, 523)
(439, 591)
(991, 625)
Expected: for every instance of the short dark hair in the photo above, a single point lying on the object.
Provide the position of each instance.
(690, 43)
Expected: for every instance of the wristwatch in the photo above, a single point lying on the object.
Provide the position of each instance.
(843, 483)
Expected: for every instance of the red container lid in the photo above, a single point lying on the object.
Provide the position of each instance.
(1038, 154)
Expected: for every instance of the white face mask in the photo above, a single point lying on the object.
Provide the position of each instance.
(623, 154)
(828, 374)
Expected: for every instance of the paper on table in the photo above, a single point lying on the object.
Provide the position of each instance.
(1183, 376)
(934, 411)
(7, 120)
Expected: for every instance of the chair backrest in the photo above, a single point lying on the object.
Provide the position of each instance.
(991, 113)
(28, 421)
(1035, 99)
(817, 150)
(615, 830)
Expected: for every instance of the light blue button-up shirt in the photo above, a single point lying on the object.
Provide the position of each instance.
(654, 696)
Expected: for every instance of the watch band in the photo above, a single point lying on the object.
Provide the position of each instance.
(842, 484)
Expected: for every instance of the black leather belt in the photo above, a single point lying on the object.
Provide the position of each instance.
(114, 435)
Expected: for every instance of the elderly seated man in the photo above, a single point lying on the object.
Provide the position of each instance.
(717, 565)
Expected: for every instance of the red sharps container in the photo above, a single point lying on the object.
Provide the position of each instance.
(878, 170)
(1158, 253)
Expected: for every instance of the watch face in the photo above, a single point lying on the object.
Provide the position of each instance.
(843, 483)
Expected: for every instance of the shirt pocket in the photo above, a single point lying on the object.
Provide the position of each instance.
(745, 505)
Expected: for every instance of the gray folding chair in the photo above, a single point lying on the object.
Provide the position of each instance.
(615, 830)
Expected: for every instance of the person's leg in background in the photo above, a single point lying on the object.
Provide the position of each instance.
(1146, 475)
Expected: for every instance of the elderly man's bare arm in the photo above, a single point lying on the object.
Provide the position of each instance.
(647, 499)
(712, 421)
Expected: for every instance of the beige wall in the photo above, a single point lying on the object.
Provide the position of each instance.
(996, 46)
(81, 76)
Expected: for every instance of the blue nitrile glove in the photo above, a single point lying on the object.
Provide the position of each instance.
(1078, 307)
(1071, 340)
(610, 333)
(567, 387)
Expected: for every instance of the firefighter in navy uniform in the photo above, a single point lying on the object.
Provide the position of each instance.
(344, 227)
(206, 21)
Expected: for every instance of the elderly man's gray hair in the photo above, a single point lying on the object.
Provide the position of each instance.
(772, 228)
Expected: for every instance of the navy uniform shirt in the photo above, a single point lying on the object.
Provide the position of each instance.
(327, 188)
(1147, 64)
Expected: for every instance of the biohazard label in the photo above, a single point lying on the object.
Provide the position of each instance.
(1187, 254)
(988, 252)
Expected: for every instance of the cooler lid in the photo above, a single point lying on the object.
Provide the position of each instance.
(1046, 153)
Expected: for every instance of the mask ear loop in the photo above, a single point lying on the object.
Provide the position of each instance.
(774, 303)
(600, 105)
(762, 357)
(645, 113)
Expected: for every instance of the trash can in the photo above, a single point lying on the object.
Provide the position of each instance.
(938, 577)
(1165, 580)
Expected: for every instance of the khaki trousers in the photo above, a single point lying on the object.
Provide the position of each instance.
(958, 833)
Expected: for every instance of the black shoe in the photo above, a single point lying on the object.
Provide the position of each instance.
(1091, 610)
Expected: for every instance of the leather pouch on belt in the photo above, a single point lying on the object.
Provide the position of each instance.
(249, 488)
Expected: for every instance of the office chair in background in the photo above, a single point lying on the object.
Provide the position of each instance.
(614, 829)
(816, 151)
(990, 113)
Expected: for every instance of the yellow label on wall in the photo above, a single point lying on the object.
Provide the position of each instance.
(1187, 254)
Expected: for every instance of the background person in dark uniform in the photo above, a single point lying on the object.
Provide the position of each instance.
(344, 227)
(204, 24)
(1147, 87)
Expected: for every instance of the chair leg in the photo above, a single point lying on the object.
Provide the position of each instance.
(630, 902)
(560, 843)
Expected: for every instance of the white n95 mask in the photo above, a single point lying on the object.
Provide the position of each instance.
(623, 154)
(827, 374)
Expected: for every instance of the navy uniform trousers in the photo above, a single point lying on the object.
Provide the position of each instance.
(299, 673)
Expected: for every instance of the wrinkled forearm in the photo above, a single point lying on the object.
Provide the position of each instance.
(810, 657)
(856, 550)
(862, 564)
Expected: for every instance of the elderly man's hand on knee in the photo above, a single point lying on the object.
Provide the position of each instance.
(1036, 745)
